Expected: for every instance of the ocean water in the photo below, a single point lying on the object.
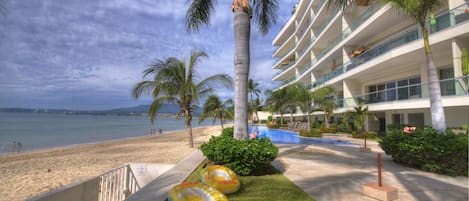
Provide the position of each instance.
(42, 130)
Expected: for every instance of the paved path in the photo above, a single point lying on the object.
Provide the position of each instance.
(337, 173)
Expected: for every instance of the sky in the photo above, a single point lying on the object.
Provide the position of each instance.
(88, 54)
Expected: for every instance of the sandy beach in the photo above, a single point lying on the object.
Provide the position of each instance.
(28, 174)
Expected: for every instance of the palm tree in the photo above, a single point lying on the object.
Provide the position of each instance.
(253, 88)
(176, 82)
(359, 114)
(324, 103)
(290, 102)
(276, 102)
(199, 13)
(419, 10)
(304, 101)
(214, 108)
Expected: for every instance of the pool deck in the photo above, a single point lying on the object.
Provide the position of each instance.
(337, 173)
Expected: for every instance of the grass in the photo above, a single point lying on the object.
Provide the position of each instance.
(270, 186)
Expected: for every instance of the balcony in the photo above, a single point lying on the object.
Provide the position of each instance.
(444, 21)
(449, 87)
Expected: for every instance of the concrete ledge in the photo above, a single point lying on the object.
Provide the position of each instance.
(159, 187)
(385, 193)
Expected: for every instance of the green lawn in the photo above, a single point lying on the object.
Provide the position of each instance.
(267, 187)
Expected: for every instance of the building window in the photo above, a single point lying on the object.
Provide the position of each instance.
(447, 83)
(404, 89)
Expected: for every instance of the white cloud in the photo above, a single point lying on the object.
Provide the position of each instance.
(163, 8)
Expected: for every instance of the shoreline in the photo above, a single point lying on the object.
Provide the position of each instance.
(28, 174)
(97, 142)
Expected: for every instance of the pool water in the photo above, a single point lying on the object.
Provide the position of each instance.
(278, 136)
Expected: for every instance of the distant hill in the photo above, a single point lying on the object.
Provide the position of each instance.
(168, 109)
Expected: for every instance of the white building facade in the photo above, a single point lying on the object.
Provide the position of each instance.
(375, 54)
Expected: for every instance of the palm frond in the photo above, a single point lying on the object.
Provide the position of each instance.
(199, 13)
(144, 87)
(265, 14)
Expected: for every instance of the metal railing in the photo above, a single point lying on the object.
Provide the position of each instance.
(448, 87)
(117, 184)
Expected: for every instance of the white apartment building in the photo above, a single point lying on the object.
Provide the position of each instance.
(375, 54)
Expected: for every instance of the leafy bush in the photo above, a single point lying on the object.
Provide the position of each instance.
(244, 157)
(311, 133)
(263, 121)
(316, 124)
(427, 149)
(344, 127)
(255, 121)
(369, 134)
(227, 132)
(327, 130)
(272, 125)
(269, 118)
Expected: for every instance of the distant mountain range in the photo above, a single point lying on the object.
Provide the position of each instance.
(141, 110)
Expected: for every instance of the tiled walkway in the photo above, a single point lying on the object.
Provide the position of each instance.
(332, 173)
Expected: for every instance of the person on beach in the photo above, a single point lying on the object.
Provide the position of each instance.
(18, 146)
(160, 131)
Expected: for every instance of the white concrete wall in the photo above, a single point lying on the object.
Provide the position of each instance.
(83, 191)
(457, 116)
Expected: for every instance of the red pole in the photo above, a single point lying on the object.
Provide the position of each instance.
(379, 169)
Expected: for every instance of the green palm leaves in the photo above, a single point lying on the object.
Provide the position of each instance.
(215, 109)
(176, 82)
(264, 11)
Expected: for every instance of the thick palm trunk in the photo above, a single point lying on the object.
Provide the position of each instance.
(326, 120)
(242, 29)
(291, 115)
(191, 141)
(221, 120)
(188, 118)
(436, 105)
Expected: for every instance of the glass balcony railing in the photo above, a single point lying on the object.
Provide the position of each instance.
(316, 9)
(285, 68)
(303, 33)
(362, 18)
(445, 20)
(326, 22)
(365, 15)
(448, 87)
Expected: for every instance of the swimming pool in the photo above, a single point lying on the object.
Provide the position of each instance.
(278, 136)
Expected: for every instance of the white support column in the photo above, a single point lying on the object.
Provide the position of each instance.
(457, 50)
(454, 3)
(350, 90)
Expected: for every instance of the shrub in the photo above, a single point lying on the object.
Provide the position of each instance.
(316, 124)
(344, 127)
(427, 149)
(369, 134)
(269, 118)
(255, 121)
(311, 133)
(272, 125)
(263, 121)
(227, 132)
(245, 157)
(327, 130)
